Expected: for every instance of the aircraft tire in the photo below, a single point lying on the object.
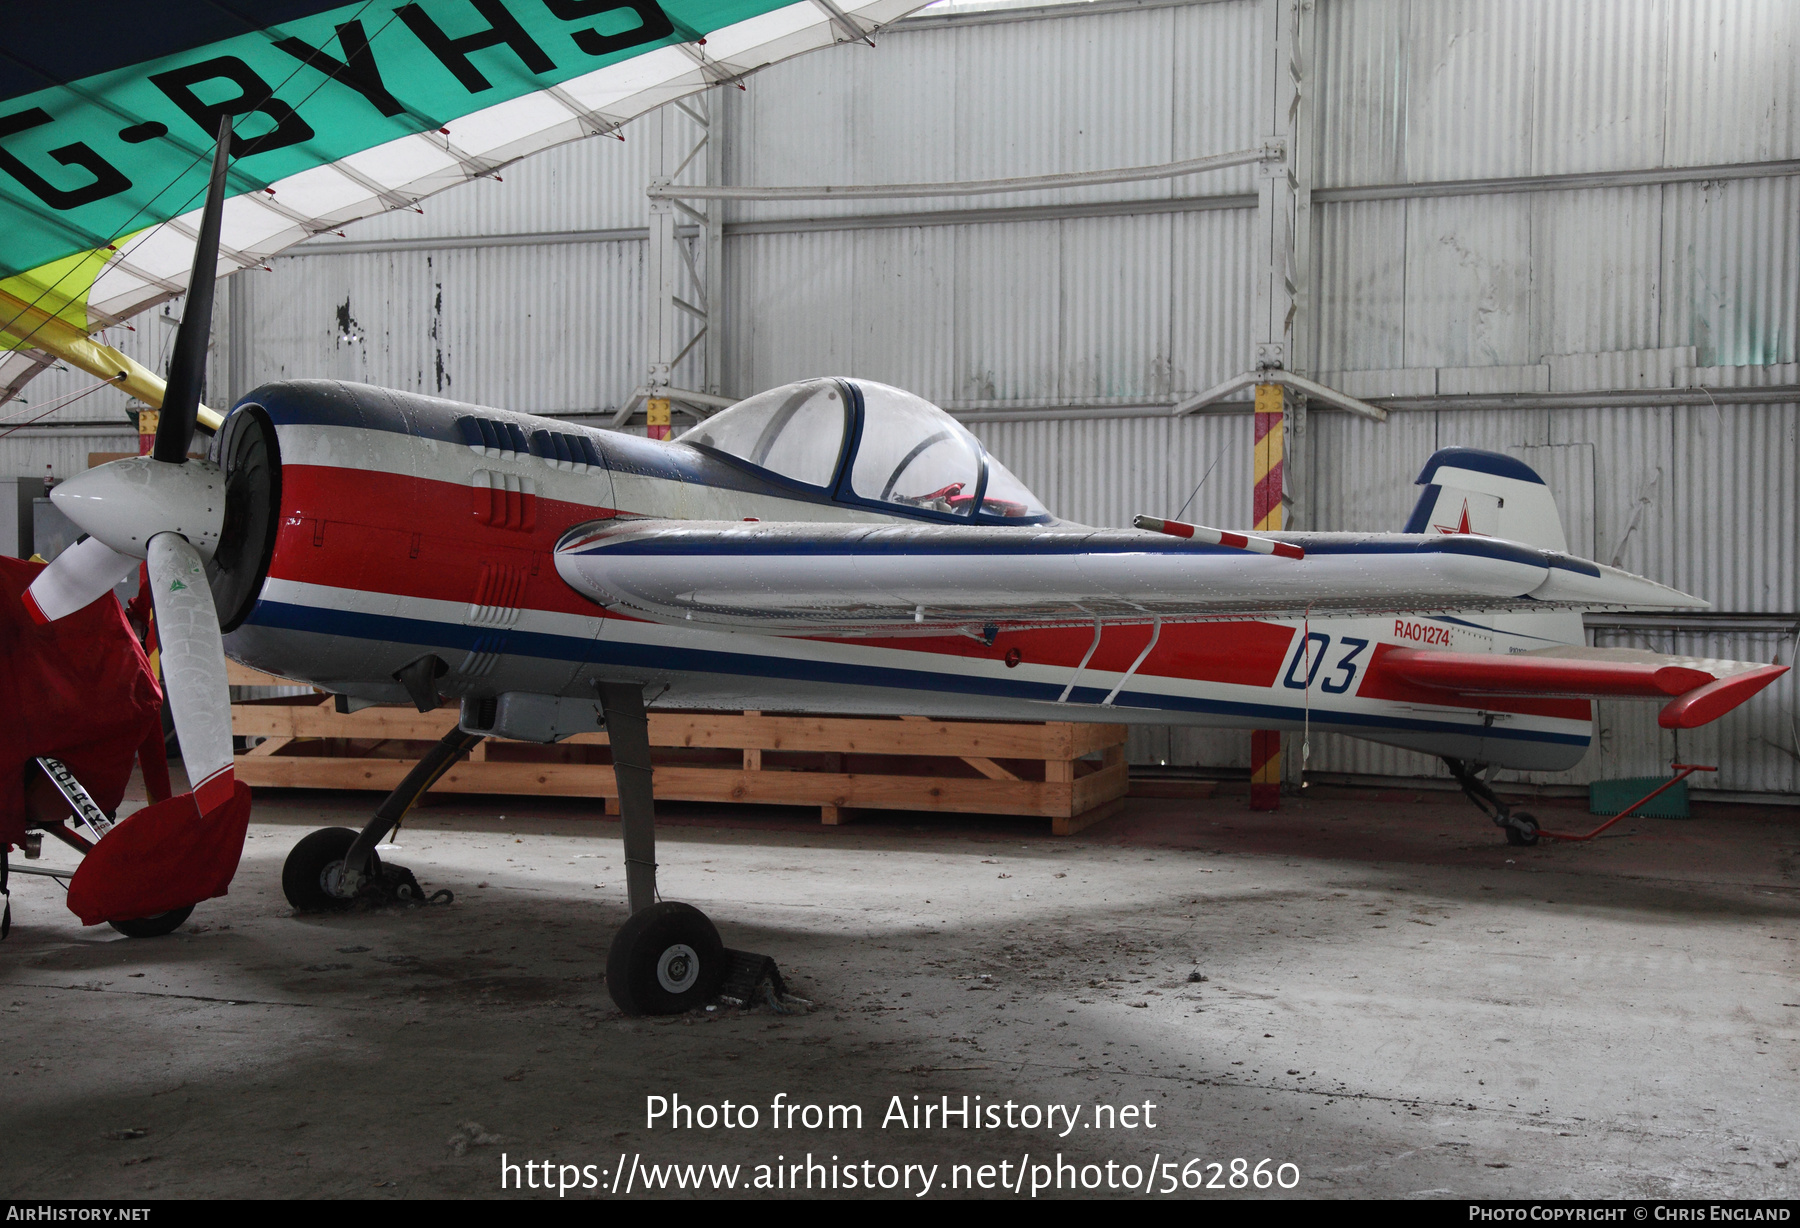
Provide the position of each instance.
(303, 874)
(154, 927)
(1523, 830)
(664, 960)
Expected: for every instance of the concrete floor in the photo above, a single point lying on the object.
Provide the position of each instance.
(1393, 1000)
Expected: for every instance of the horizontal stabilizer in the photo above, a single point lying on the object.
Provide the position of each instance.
(1699, 690)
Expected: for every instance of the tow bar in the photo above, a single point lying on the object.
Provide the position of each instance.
(1682, 772)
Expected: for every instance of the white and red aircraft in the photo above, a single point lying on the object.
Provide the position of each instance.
(834, 545)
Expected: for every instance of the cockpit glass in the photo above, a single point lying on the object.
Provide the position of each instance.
(914, 454)
(796, 430)
(1006, 495)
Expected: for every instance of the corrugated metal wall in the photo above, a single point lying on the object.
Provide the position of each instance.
(1115, 308)
(1415, 91)
(540, 328)
(1110, 309)
(1442, 261)
(988, 101)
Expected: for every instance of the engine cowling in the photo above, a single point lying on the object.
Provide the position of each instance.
(249, 458)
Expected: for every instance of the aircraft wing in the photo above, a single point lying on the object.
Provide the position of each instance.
(1699, 690)
(859, 579)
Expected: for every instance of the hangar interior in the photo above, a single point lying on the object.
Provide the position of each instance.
(1567, 231)
(1562, 231)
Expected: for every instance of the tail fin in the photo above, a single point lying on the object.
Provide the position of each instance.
(1489, 494)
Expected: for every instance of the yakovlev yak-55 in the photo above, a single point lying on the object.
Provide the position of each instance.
(834, 545)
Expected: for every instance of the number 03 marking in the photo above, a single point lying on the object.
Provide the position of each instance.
(1317, 645)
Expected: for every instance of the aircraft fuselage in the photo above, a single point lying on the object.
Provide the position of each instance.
(409, 525)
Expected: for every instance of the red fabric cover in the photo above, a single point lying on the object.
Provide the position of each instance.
(79, 689)
(153, 761)
(164, 856)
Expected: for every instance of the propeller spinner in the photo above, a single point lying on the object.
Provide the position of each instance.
(169, 511)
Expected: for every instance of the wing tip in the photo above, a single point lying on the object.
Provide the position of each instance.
(1708, 703)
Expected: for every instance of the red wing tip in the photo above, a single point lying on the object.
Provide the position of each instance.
(1707, 704)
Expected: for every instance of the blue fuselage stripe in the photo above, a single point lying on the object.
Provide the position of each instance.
(350, 624)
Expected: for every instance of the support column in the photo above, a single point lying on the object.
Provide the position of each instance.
(1271, 438)
(1283, 237)
(712, 245)
(1267, 515)
(682, 262)
(660, 263)
(1282, 330)
(1265, 769)
(656, 417)
(1298, 467)
(239, 298)
(628, 729)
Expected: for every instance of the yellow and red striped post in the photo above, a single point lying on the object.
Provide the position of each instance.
(656, 417)
(1265, 744)
(147, 419)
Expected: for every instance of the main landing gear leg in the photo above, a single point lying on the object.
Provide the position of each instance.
(628, 729)
(332, 868)
(667, 957)
(1521, 828)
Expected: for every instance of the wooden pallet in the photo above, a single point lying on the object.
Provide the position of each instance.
(838, 764)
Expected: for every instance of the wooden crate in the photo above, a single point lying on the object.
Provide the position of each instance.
(838, 764)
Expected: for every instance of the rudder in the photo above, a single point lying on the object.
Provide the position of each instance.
(1489, 494)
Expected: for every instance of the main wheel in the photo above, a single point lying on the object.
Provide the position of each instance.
(665, 960)
(1523, 830)
(305, 873)
(154, 927)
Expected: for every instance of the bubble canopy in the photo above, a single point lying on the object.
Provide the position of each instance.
(870, 445)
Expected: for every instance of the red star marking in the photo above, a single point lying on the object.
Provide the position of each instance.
(1462, 526)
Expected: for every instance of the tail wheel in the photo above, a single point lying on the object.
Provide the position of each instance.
(306, 875)
(1521, 829)
(154, 927)
(664, 960)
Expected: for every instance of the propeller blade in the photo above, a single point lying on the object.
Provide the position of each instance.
(187, 362)
(193, 666)
(75, 579)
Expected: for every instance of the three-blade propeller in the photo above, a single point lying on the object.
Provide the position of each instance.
(168, 511)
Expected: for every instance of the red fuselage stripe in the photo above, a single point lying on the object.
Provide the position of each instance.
(383, 532)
